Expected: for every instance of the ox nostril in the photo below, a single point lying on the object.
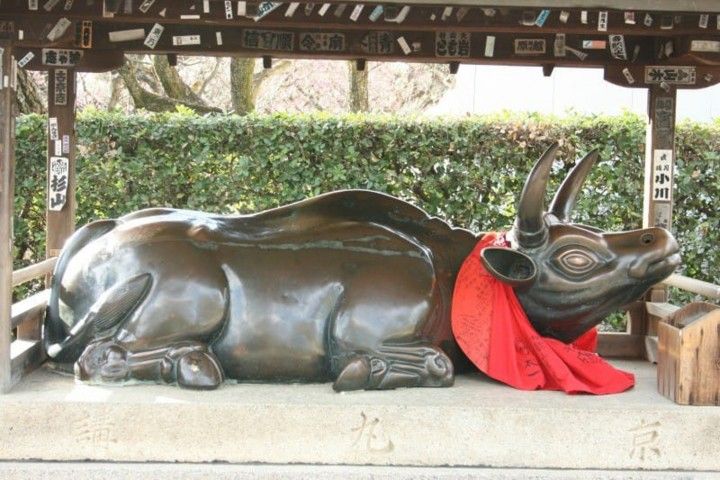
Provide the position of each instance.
(647, 238)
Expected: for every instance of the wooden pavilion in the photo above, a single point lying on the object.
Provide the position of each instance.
(51, 427)
(660, 45)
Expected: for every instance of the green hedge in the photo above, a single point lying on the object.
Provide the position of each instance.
(467, 170)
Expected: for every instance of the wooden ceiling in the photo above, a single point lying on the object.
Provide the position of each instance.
(636, 48)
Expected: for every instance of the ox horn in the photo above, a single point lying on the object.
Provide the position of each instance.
(564, 200)
(530, 229)
(57, 349)
(113, 306)
(54, 331)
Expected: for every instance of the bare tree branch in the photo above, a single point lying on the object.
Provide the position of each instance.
(145, 72)
(313, 101)
(191, 61)
(151, 101)
(172, 83)
(208, 78)
(266, 73)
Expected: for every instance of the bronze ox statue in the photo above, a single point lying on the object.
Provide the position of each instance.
(352, 286)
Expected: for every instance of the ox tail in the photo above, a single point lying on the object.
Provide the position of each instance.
(54, 329)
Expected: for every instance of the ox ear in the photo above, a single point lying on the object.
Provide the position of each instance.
(509, 266)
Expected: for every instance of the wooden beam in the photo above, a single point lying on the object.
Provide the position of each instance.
(31, 309)
(348, 44)
(648, 73)
(34, 271)
(60, 144)
(659, 165)
(621, 345)
(661, 310)
(95, 61)
(26, 355)
(699, 287)
(636, 314)
(60, 206)
(221, 37)
(653, 6)
(419, 18)
(656, 313)
(7, 197)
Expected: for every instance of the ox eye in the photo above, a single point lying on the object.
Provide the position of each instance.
(575, 262)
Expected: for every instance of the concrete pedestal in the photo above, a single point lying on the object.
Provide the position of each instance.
(186, 471)
(477, 424)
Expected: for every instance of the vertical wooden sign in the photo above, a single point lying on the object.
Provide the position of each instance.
(659, 158)
(659, 165)
(60, 158)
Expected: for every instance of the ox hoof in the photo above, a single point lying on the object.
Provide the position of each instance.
(397, 367)
(199, 370)
(440, 368)
(103, 363)
(355, 376)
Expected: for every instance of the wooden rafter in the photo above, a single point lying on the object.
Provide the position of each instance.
(624, 43)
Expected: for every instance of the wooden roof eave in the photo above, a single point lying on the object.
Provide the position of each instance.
(705, 6)
(664, 41)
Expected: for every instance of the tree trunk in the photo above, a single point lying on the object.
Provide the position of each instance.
(116, 83)
(28, 98)
(151, 101)
(358, 88)
(242, 90)
(172, 83)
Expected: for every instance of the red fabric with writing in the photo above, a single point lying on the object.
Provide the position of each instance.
(492, 329)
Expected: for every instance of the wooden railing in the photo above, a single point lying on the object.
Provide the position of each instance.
(26, 316)
(699, 287)
(640, 341)
(34, 271)
(643, 344)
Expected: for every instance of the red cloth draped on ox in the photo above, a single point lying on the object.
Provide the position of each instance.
(492, 329)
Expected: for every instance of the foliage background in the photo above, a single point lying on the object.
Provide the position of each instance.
(468, 170)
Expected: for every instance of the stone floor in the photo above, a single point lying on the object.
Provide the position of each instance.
(288, 431)
(165, 471)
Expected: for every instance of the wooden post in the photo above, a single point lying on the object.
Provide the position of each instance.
(659, 165)
(61, 145)
(60, 153)
(659, 158)
(7, 197)
(659, 171)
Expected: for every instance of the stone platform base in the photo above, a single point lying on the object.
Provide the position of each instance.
(478, 423)
(132, 471)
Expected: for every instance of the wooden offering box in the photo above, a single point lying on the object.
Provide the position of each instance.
(688, 365)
